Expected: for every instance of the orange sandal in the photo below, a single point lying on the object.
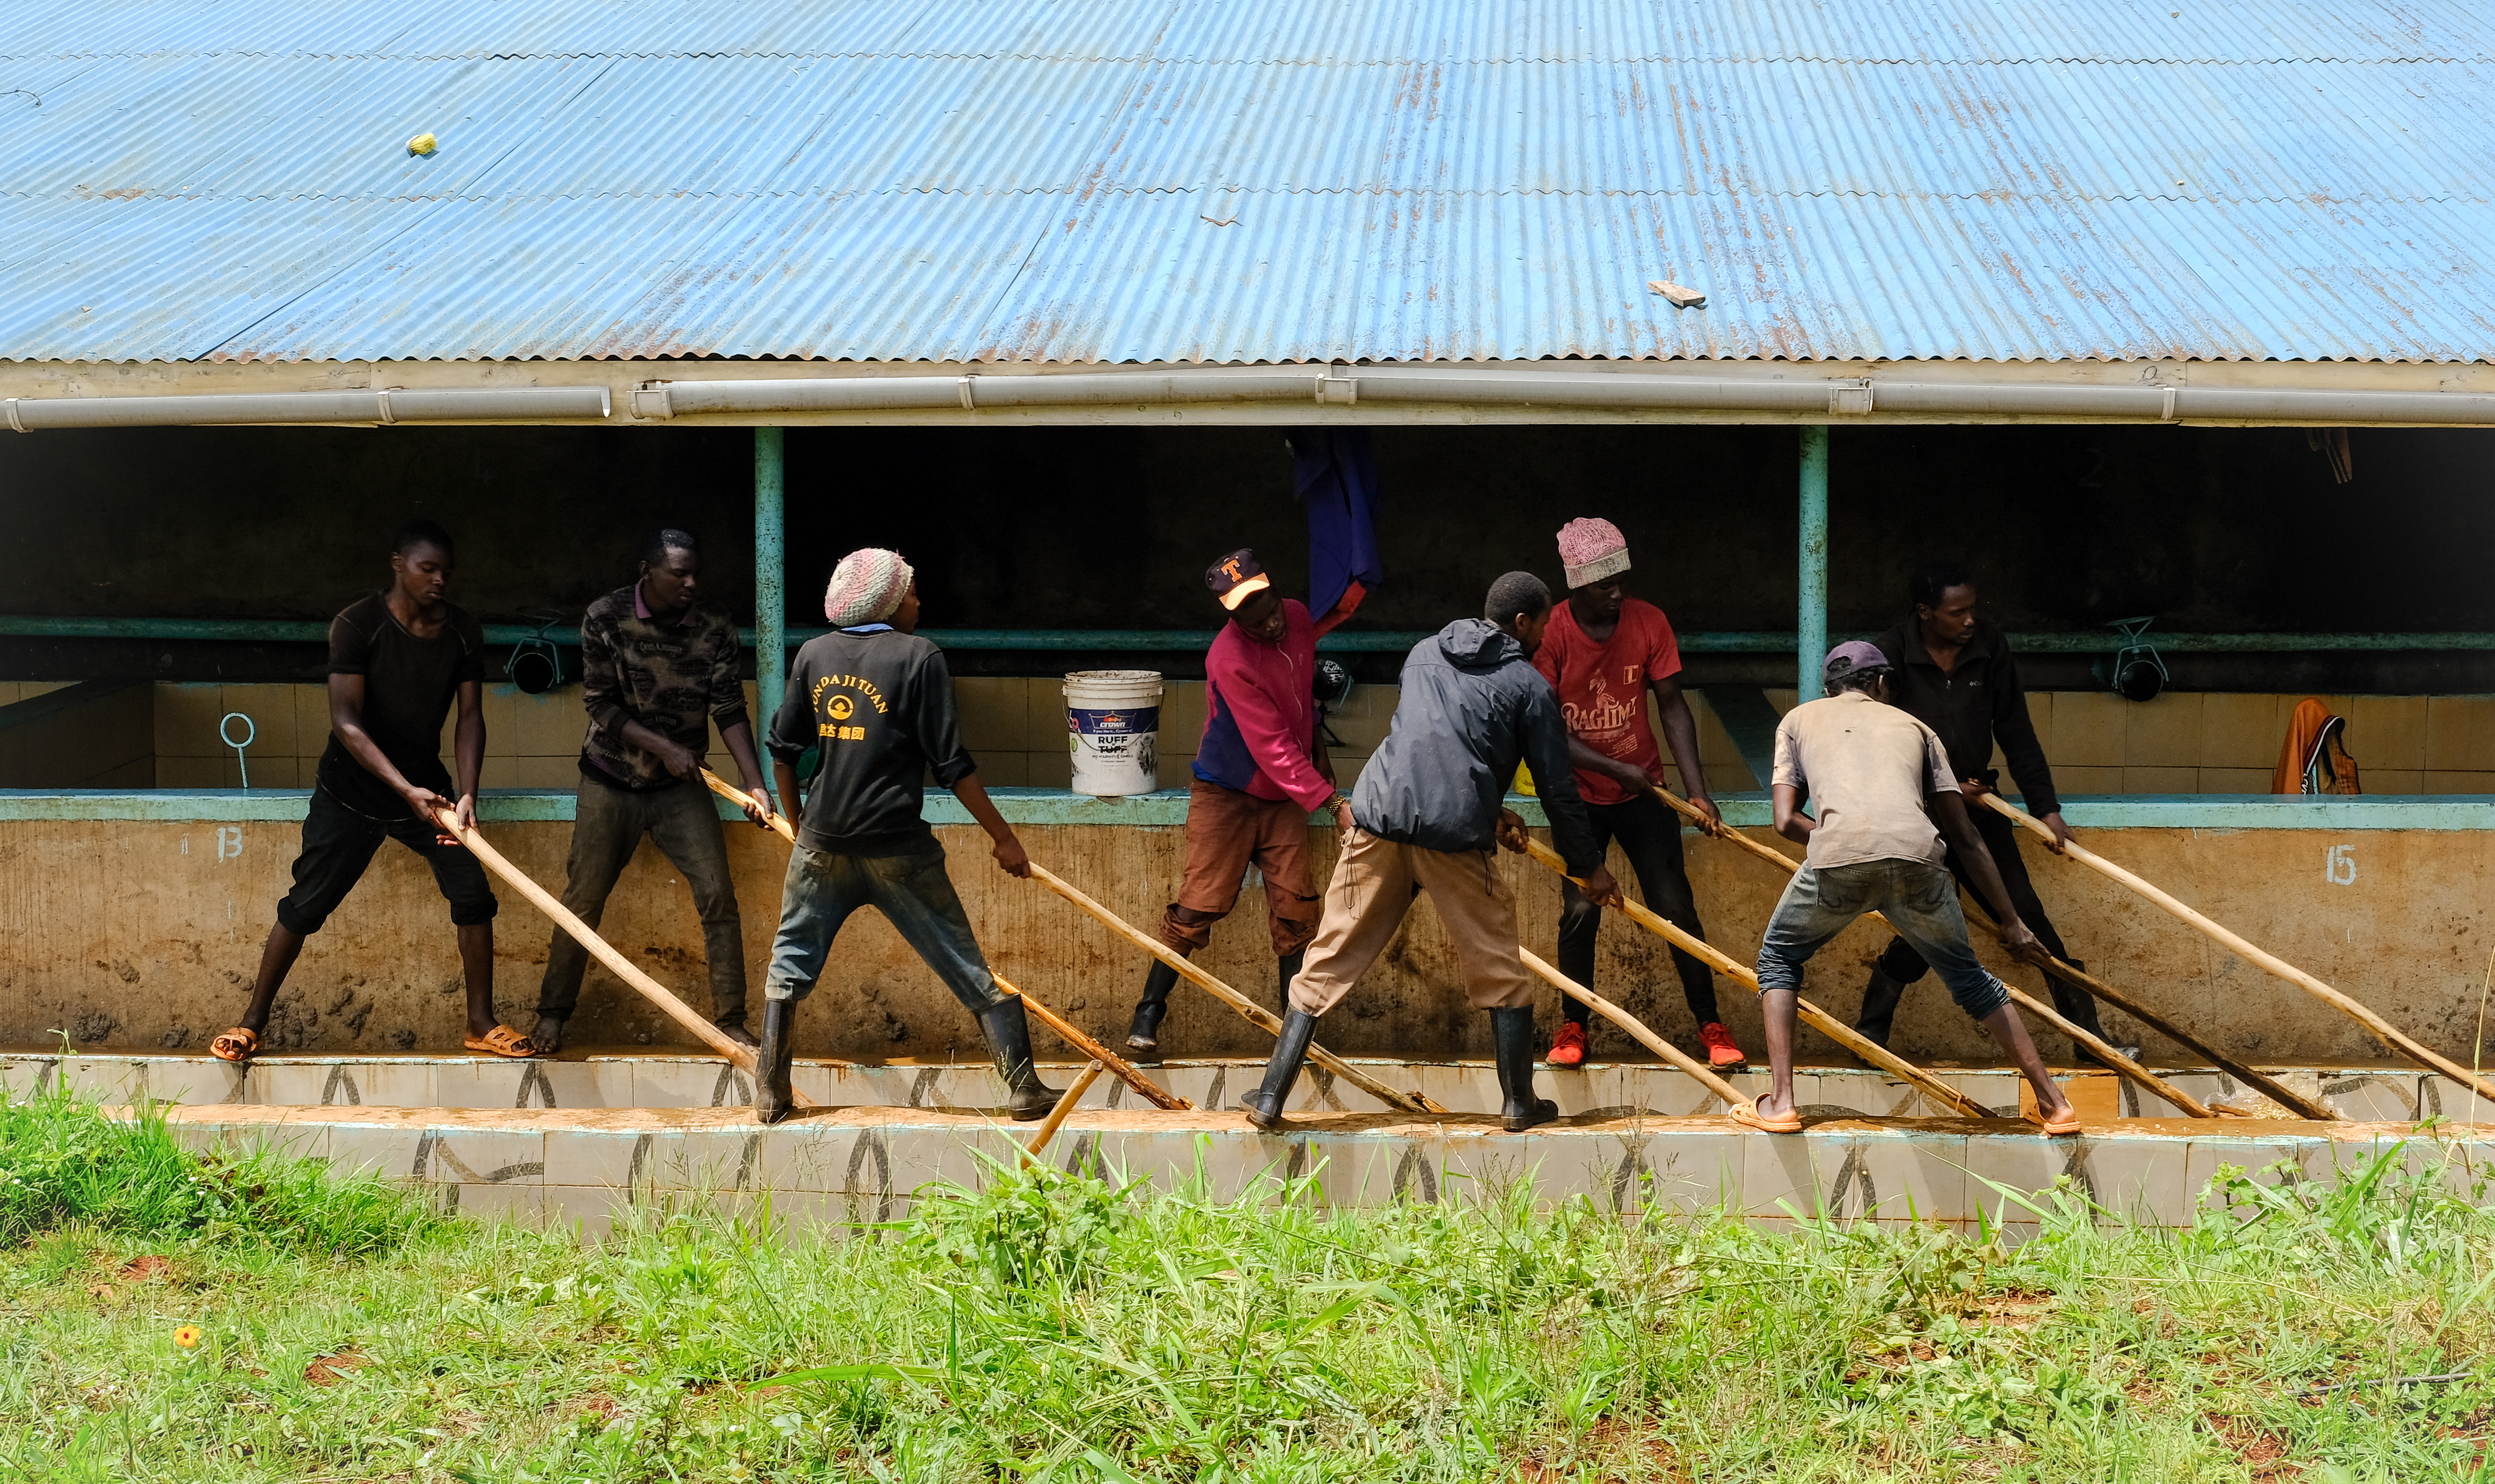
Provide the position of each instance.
(1748, 1116)
(2060, 1127)
(502, 1041)
(235, 1046)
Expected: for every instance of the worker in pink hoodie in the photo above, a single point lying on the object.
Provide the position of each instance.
(1260, 771)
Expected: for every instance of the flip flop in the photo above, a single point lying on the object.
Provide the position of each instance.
(502, 1041)
(2060, 1127)
(1748, 1116)
(235, 1046)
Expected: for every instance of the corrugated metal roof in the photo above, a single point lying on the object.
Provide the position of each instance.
(1184, 180)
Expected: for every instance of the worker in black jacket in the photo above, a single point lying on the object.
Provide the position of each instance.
(1955, 674)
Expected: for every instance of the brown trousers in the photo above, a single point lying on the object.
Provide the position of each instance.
(1227, 831)
(1372, 889)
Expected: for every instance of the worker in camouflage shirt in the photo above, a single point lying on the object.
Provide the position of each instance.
(659, 666)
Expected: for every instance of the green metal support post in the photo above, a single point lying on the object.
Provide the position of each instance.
(1810, 629)
(770, 572)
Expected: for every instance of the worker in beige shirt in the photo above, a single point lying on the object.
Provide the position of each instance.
(1887, 797)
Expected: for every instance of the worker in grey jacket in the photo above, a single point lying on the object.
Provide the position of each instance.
(1424, 817)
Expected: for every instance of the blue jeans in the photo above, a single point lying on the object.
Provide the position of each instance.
(912, 891)
(1919, 899)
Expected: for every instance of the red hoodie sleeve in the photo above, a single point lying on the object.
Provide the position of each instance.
(1265, 725)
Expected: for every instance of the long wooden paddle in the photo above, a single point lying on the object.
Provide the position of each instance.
(740, 798)
(599, 948)
(2069, 973)
(1256, 1014)
(1056, 1119)
(2245, 949)
(1818, 1019)
(1119, 1067)
(1637, 1028)
(2105, 1053)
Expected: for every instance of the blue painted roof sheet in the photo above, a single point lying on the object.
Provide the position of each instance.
(1202, 180)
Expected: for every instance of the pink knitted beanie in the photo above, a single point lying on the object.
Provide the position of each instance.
(867, 587)
(1593, 550)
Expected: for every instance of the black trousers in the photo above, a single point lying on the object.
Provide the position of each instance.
(607, 829)
(1902, 964)
(1649, 836)
(339, 843)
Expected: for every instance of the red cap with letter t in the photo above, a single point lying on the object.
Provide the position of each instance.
(1235, 578)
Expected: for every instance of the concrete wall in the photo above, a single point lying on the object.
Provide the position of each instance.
(143, 934)
(2183, 742)
(1014, 725)
(99, 735)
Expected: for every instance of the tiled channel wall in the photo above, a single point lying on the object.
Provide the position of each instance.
(2190, 742)
(855, 1166)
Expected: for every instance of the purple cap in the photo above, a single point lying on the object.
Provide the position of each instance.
(1852, 657)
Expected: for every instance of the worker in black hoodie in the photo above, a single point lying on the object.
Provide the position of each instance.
(1424, 813)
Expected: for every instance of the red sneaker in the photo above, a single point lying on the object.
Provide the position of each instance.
(1568, 1047)
(1720, 1050)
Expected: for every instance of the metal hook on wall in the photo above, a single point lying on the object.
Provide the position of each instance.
(250, 732)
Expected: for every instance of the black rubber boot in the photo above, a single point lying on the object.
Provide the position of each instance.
(1510, 1033)
(1264, 1107)
(1144, 1034)
(773, 1097)
(1288, 965)
(1880, 1000)
(1008, 1032)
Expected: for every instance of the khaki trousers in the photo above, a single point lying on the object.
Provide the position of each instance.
(1375, 881)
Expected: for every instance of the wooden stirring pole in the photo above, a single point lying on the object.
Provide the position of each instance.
(2247, 951)
(605, 952)
(740, 798)
(2069, 973)
(1056, 1119)
(1637, 1028)
(1818, 1019)
(1257, 1014)
(1101, 1055)
(1119, 1067)
(2122, 1065)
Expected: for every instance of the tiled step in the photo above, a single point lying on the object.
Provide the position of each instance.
(860, 1164)
(677, 1081)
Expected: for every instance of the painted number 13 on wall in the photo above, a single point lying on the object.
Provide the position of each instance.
(2339, 865)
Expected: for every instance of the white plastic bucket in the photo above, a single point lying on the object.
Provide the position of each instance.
(1112, 721)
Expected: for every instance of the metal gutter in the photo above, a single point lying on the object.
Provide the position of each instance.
(1451, 389)
(1859, 399)
(380, 405)
(257, 630)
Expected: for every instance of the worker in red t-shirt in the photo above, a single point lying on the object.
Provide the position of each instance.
(1602, 653)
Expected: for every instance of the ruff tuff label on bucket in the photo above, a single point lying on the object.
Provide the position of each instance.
(1112, 721)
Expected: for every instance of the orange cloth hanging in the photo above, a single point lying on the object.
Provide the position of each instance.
(2315, 758)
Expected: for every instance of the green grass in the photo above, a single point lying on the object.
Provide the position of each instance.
(1051, 1328)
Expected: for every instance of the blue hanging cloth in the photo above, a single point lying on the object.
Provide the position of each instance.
(1334, 474)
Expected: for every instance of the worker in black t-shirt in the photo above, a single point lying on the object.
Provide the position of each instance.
(874, 701)
(397, 660)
